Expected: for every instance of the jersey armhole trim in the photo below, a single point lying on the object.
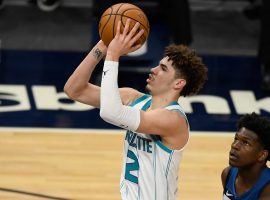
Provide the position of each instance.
(138, 100)
(161, 145)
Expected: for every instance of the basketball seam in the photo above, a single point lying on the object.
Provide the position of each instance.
(130, 18)
(142, 38)
(115, 18)
(134, 19)
(105, 24)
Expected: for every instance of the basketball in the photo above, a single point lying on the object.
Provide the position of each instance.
(121, 12)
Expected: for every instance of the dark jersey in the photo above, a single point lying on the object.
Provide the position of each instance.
(253, 193)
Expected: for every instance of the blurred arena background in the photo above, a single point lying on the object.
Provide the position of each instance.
(54, 148)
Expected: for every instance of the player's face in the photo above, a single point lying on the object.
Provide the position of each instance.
(245, 149)
(161, 78)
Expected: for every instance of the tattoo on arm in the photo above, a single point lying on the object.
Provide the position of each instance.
(97, 53)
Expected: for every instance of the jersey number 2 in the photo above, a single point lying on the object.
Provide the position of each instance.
(133, 166)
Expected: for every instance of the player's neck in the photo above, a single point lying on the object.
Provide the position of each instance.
(161, 101)
(250, 175)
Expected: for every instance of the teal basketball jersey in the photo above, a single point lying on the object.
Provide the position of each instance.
(150, 169)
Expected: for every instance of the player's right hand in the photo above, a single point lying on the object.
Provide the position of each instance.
(124, 43)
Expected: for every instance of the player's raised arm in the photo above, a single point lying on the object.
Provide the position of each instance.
(112, 109)
(78, 87)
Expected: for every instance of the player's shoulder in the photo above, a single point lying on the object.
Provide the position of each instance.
(128, 95)
(265, 193)
(175, 119)
(266, 174)
(175, 107)
(224, 175)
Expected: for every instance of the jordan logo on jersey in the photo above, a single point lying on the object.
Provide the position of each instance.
(139, 142)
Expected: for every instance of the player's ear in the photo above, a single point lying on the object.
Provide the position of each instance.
(263, 155)
(180, 83)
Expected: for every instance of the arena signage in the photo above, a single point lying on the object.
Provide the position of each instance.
(14, 98)
(31, 90)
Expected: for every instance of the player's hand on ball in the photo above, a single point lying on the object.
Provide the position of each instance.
(121, 12)
(125, 42)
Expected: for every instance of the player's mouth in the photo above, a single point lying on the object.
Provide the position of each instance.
(150, 78)
(233, 156)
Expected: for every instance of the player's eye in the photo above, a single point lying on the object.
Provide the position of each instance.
(164, 68)
(245, 142)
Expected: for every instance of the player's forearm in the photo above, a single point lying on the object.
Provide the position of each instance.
(78, 81)
(112, 109)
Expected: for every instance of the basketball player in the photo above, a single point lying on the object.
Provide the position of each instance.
(248, 177)
(157, 127)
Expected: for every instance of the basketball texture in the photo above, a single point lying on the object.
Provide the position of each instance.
(121, 12)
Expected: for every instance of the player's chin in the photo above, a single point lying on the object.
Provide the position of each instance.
(148, 88)
(234, 163)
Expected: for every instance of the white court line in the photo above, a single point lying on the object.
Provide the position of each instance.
(98, 131)
(61, 130)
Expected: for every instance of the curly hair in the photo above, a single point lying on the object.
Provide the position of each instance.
(259, 125)
(189, 66)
